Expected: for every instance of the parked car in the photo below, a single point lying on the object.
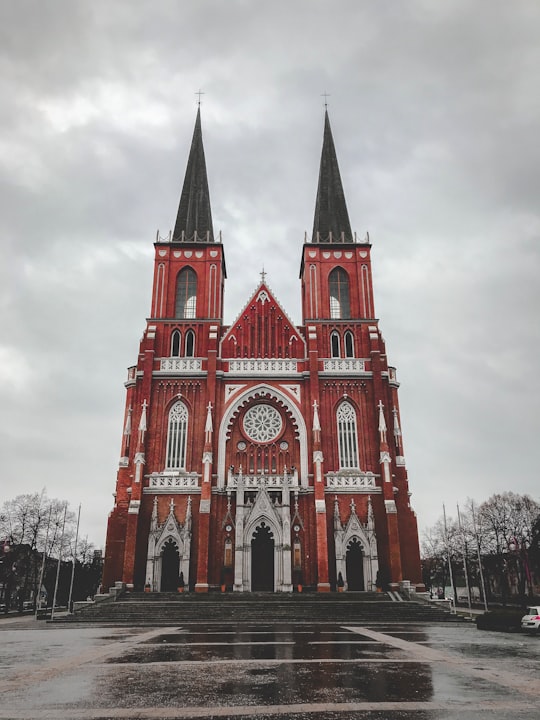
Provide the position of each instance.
(531, 619)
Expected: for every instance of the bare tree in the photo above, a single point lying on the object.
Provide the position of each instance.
(505, 525)
(30, 530)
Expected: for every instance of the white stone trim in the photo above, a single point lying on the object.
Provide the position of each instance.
(390, 506)
(261, 366)
(134, 506)
(365, 535)
(179, 365)
(361, 481)
(344, 365)
(231, 390)
(248, 518)
(170, 530)
(204, 507)
(173, 481)
(294, 390)
(256, 482)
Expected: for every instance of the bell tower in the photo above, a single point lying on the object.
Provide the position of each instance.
(336, 268)
(189, 270)
(351, 382)
(172, 389)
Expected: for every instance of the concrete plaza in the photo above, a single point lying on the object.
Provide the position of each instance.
(260, 670)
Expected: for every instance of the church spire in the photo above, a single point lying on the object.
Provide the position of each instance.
(194, 213)
(331, 222)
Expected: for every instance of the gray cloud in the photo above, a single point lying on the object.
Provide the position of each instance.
(435, 110)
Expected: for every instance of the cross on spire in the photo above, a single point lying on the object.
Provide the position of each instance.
(199, 93)
(325, 95)
(263, 274)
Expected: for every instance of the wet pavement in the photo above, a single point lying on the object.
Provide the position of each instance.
(323, 672)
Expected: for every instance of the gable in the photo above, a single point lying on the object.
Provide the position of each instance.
(262, 330)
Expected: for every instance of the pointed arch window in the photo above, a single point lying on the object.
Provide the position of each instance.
(349, 344)
(338, 285)
(186, 294)
(335, 345)
(347, 436)
(176, 339)
(177, 437)
(190, 344)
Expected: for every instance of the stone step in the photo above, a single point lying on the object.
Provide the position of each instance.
(161, 608)
(266, 597)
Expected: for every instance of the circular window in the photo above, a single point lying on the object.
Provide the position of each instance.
(284, 445)
(262, 423)
(241, 445)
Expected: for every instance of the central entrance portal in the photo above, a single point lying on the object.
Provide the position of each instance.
(355, 566)
(170, 562)
(262, 560)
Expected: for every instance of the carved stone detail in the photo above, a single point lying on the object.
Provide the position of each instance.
(262, 423)
(344, 365)
(259, 366)
(363, 481)
(171, 481)
(180, 365)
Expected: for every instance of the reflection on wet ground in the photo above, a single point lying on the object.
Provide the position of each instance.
(262, 671)
(245, 644)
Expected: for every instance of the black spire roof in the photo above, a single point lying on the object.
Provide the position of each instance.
(194, 213)
(331, 214)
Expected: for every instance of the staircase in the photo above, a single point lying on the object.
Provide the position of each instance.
(133, 608)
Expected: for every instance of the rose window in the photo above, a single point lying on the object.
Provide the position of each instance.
(262, 423)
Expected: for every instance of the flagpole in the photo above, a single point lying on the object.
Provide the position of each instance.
(465, 561)
(74, 560)
(60, 550)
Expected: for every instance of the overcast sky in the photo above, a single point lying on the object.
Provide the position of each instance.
(435, 111)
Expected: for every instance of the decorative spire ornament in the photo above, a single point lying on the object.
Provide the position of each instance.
(382, 422)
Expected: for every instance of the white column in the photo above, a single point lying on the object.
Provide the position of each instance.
(286, 525)
(239, 539)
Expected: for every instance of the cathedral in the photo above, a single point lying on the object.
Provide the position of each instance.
(262, 455)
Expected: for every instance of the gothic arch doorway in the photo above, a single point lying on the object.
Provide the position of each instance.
(170, 562)
(262, 560)
(354, 564)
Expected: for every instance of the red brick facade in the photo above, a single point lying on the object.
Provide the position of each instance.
(263, 455)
